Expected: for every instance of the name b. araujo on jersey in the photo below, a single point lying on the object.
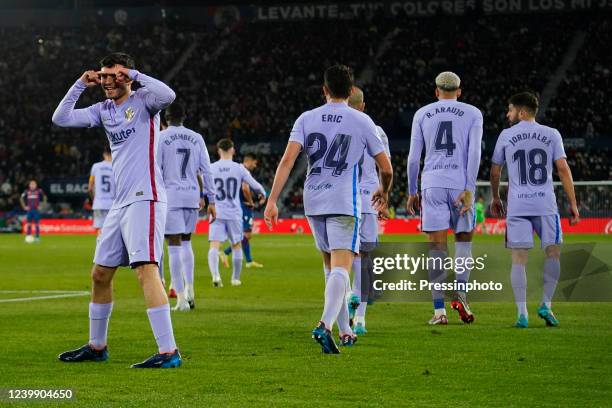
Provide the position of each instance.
(335, 137)
(451, 133)
(529, 149)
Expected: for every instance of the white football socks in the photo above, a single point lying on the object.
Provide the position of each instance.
(552, 271)
(99, 314)
(213, 263)
(159, 317)
(518, 278)
(174, 261)
(335, 291)
(236, 263)
(187, 259)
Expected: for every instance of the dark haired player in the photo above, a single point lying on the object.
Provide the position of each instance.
(249, 161)
(228, 177)
(184, 160)
(335, 138)
(30, 201)
(133, 232)
(530, 149)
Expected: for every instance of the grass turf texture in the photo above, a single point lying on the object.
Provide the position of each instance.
(251, 345)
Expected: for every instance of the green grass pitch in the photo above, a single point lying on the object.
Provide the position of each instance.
(251, 345)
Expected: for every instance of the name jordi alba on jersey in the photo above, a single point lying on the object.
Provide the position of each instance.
(529, 151)
(334, 137)
(132, 132)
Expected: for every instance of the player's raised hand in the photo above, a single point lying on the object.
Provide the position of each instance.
(575, 219)
(122, 74)
(271, 214)
(211, 212)
(497, 208)
(90, 78)
(464, 201)
(412, 203)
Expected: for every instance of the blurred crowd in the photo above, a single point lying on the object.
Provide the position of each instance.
(250, 81)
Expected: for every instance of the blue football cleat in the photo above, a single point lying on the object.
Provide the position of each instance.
(325, 339)
(347, 340)
(353, 304)
(359, 329)
(545, 313)
(161, 360)
(85, 353)
(522, 322)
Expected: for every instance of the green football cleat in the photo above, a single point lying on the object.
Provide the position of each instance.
(545, 313)
(522, 322)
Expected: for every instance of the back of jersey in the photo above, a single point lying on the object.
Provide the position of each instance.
(227, 178)
(104, 185)
(529, 149)
(180, 150)
(334, 136)
(444, 129)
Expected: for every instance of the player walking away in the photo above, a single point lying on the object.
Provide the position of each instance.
(451, 133)
(102, 189)
(30, 201)
(335, 137)
(480, 216)
(134, 227)
(228, 177)
(529, 149)
(246, 202)
(368, 228)
(182, 156)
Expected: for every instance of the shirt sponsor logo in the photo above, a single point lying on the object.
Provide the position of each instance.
(121, 136)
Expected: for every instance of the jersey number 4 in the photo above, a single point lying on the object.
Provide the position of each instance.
(444, 138)
(334, 158)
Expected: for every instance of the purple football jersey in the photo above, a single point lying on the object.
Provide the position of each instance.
(228, 177)
(132, 129)
(182, 156)
(335, 138)
(104, 185)
(451, 133)
(529, 149)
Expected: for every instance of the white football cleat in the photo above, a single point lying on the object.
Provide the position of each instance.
(254, 264)
(236, 282)
(217, 283)
(182, 305)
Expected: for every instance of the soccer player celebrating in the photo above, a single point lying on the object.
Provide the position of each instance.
(335, 137)
(30, 201)
(228, 177)
(368, 227)
(182, 156)
(451, 133)
(133, 230)
(102, 189)
(246, 202)
(530, 149)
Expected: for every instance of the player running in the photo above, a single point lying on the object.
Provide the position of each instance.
(30, 201)
(102, 189)
(335, 138)
(228, 177)
(368, 228)
(246, 202)
(133, 230)
(183, 156)
(451, 133)
(530, 149)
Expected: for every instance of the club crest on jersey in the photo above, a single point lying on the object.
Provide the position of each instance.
(129, 114)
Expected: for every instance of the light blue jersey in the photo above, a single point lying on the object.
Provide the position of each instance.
(335, 138)
(183, 155)
(451, 133)
(368, 175)
(529, 149)
(228, 177)
(104, 185)
(132, 129)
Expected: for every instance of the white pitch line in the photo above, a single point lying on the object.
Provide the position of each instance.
(62, 294)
